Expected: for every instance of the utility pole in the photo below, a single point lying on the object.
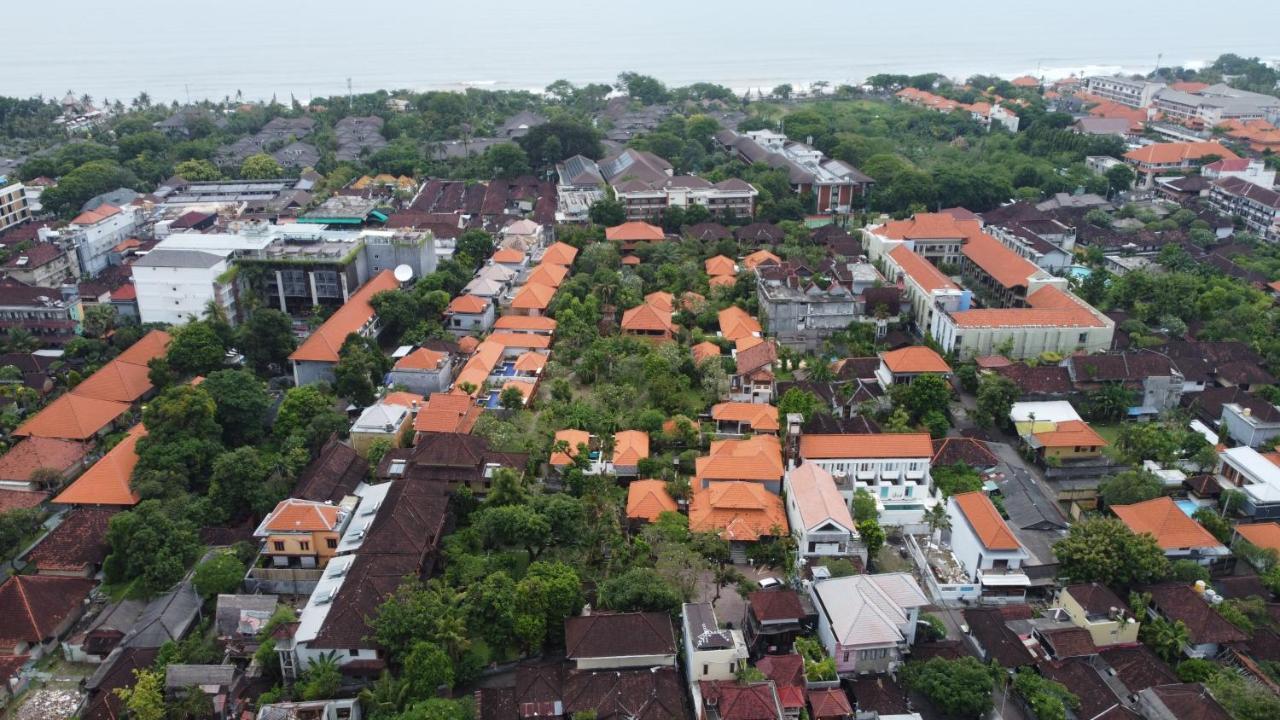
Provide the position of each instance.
(350, 98)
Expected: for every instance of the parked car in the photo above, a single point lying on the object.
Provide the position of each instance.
(767, 583)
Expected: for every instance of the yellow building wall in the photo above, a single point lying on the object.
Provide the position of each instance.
(1104, 633)
(319, 545)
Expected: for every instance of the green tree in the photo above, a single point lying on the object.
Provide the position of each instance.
(873, 536)
(802, 402)
(554, 589)
(149, 546)
(927, 393)
(996, 396)
(144, 700)
(1111, 401)
(1104, 550)
(1165, 638)
(955, 479)
(864, 506)
(359, 370)
(238, 485)
(266, 339)
(511, 398)
(1215, 523)
(958, 688)
(242, 404)
(1049, 700)
(321, 680)
(514, 526)
(260, 167)
(426, 668)
(607, 213)
(220, 574)
(197, 170)
(1120, 177)
(1243, 699)
(1128, 487)
(506, 160)
(639, 589)
(310, 413)
(99, 319)
(196, 349)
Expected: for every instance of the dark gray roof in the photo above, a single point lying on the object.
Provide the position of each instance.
(707, 635)
(117, 197)
(579, 170)
(181, 676)
(166, 618)
(162, 257)
(243, 614)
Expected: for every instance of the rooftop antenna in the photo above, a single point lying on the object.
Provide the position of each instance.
(350, 99)
(1159, 57)
(187, 87)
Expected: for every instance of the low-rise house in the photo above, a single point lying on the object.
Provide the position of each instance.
(524, 324)
(1180, 700)
(302, 533)
(1250, 420)
(1096, 608)
(900, 367)
(42, 264)
(757, 459)
(1136, 668)
(752, 378)
(569, 445)
(107, 481)
(829, 704)
(774, 619)
(386, 420)
(469, 315)
(867, 623)
(1173, 157)
(451, 459)
(1207, 630)
(739, 512)
(1056, 433)
(337, 709)
(1095, 696)
(739, 701)
(333, 475)
(1157, 384)
(33, 461)
(316, 357)
(559, 253)
(238, 621)
(222, 683)
(819, 516)
(74, 417)
(1175, 532)
(964, 451)
(742, 418)
(648, 322)
(1265, 535)
(36, 611)
(647, 499)
(736, 324)
(994, 640)
(548, 274)
(629, 448)
(893, 467)
(532, 300)
(447, 413)
(619, 641)
(423, 371)
(787, 674)
(76, 547)
(986, 548)
(710, 651)
(1257, 204)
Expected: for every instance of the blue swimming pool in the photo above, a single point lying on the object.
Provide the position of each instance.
(1187, 506)
(1079, 272)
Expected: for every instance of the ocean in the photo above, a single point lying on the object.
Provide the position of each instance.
(260, 49)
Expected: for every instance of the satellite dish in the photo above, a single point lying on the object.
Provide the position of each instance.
(403, 273)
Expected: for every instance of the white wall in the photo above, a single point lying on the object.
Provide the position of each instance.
(176, 295)
(97, 240)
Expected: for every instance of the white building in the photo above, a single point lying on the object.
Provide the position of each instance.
(819, 515)
(986, 548)
(710, 652)
(893, 468)
(1248, 471)
(339, 709)
(176, 286)
(95, 232)
(867, 623)
(14, 207)
(1126, 91)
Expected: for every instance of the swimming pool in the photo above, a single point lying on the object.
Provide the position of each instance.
(1079, 272)
(1187, 506)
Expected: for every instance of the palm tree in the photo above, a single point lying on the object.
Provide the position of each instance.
(1166, 638)
(937, 519)
(386, 696)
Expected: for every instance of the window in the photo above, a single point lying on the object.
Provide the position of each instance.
(278, 545)
(304, 545)
(873, 654)
(331, 542)
(884, 491)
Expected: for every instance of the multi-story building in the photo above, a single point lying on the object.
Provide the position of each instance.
(834, 184)
(14, 209)
(1096, 608)
(96, 232)
(710, 651)
(1126, 91)
(175, 286)
(893, 468)
(801, 313)
(52, 315)
(936, 237)
(303, 533)
(1251, 473)
(867, 623)
(986, 548)
(647, 186)
(43, 264)
(1257, 206)
(1174, 157)
(820, 519)
(315, 358)
(1215, 104)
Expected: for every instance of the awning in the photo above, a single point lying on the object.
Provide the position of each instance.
(1005, 580)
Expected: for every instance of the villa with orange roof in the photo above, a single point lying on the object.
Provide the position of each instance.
(752, 380)
(303, 533)
(107, 481)
(648, 322)
(647, 499)
(736, 323)
(1174, 157)
(446, 413)
(758, 258)
(633, 234)
(525, 324)
(1265, 535)
(705, 350)
(1175, 532)
(721, 266)
(532, 300)
(757, 459)
(469, 315)
(548, 274)
(819, 515)
(510, 258)
(893, 467)
(574, 443)
(936, 237)
(629, 448)
(739, 512)
(423, 371)
(987, 549)
(559, 254)
(900, 367)
(1055, 432)
(316, 357)
(742, 418)
(662, 300)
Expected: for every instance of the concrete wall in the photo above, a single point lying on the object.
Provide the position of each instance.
(178, 295)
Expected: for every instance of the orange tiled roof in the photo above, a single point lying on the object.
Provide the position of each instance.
(756, 458)
(929, 226)
(323, 344)
(630, 447)
(720, 265)
(1070, 433)
(761, 417)
(560, 254)
(722, 281)
(758, 258)
(149, 346)
(97, 215)
(520, 340)
(662, 300)
(737, 511)
(118, 381)
(646, 318)
(508, 255)
(705, 350)
(1049, 307)
(549, 274)
(1177, 152)
(107, 481)
(527, 323)
(403, 399)
(691, 301)
(1024, 81)
(991, 529)
(1265, 535)
(531, 362)
(736, 323)
(533, 296)
(294, 515)
(468, 345)
(634, 231)
(875, 445)
(467, 305)
(1164, 520)
(631, 260)
(526, 389)
(1008, 267)
(574, 438)
(73, 417)
(420, 359)
(447, 413)
(923, 272)
(915, 359)
(478, 367)
(647, 499)
(33, 453)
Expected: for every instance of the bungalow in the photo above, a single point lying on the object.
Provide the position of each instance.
(446, 413)
(620, 641)
(423, 371)
(559, 254)
(76, 547)
(900, 367)
(723, 700)
(450, 459)
(548, 274)
(739, 512)
(1175, 532)
(1207, 630)
(316, 357)
(469, 315)
(867, 623)
(721, 266)
(510, 258)
(36, 611)
(819, 516)
(752, 379)
(704, 351)
(1056, 432)
(986, 548)
(736, 323)
(742, 418)
(574, 444)
(39, 463)
(648, 322)
(994, 640)
(523, 324)
(647, 499)
(491, 282)
(629, 448)
(757, 460)
(1097, 609)
(532, 300)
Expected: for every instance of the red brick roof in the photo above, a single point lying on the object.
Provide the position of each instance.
(78, 543)
(33, 606)
(33, 453)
